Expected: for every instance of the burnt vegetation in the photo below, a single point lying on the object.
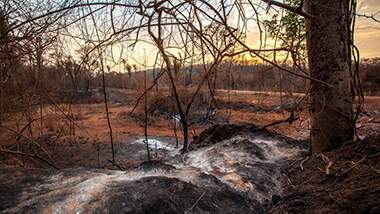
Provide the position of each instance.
(187, 107)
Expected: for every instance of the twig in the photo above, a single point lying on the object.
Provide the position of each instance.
(289, 181)
(183, 157)
(195, 204)
(353, 166)
(328, 167)
(374, 169)
(336, 173)
(296, 10)
(336, 200)
(324, 158)
(303, 161)
(369, 17)
(324, 176)
(291, 166)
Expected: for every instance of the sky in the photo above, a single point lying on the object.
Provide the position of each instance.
(367, 31)
(367, 38)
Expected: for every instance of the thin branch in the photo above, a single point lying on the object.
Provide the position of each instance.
(35, 156)
(296, 10)
(372, 17)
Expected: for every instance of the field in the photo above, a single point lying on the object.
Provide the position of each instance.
(77, 135)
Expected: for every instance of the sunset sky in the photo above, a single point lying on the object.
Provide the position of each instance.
(368, 31)
(367, 36)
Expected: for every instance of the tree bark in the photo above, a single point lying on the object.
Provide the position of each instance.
(328, 52)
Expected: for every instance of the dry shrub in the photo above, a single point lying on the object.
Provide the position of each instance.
(51, 122)
(57, 124)
(163, 104)
(159, 104)
(201, 101)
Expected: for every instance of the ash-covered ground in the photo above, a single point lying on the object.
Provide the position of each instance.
(239, 171)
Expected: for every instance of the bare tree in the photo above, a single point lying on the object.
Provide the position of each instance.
(208, 32)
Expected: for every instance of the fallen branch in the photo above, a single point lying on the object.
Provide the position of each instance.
(196, 202)
(35, 156)
(289, 120)
(352, 167)
(336, 200)
(30, 140)
(115, 164)
(336, 171)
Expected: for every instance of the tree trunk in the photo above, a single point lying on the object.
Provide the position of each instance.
(328, 53)
(185, 129)
(146, 119)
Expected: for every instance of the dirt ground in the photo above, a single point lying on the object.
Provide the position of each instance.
(84, 139)
(346, 180)
(342, 181)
